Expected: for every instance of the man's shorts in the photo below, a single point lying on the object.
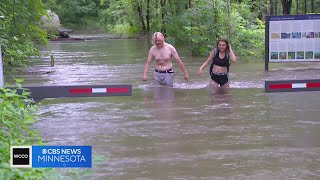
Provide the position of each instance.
(163, 77)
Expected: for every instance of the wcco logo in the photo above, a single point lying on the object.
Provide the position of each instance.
(20, 156)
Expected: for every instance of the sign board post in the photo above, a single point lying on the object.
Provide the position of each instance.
(292, 38)
(266, 44)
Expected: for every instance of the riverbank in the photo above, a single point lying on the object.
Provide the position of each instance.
(98, 33)
(85, 37)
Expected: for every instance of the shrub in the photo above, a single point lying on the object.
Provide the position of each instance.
(17, 117)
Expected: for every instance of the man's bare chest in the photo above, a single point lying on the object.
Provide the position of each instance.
(162, 54)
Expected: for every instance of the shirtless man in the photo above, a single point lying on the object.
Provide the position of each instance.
(163, 52)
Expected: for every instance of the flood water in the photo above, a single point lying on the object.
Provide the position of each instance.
(185, 132)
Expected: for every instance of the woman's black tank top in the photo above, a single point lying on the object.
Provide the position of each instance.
(221, 62)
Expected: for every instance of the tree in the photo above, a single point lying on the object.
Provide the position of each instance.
(229, 18)
(276, 7)
(286, 6)
(162, 7)
(141, 17)
(148, 15)
(21, 33)
(196, 23)
(189, 4)
(271, 2)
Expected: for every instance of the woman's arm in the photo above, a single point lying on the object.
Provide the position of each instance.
(205, 64)
(233, 57)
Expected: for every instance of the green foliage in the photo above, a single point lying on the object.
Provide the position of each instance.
(247, 33)
(182, 28)
(20, 34)
(117, 18)
(124, 30)
(170, 40)
(73, 12)
(17, 116)
(196, 23)
(205, 23)
(76, 11)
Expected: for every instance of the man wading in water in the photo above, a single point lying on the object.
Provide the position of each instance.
(163, 52)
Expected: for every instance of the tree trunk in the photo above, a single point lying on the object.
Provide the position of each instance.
(312, 6)
(305, 6)
(163, 5)
(148, 16)
(229, 19)
(172, 8)
(157, 15)
(215, 19)
(139, 9)
(297, 6)
(286, 6)
(276, 7)
(13, 14)
(190, 3)
(271, 7)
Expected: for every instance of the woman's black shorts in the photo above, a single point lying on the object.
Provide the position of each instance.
(220, 78)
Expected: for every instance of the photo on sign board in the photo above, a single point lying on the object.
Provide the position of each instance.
(274, 55)
(285, 35)
(300, 55)
(310, 35)
(296, 35)
(303, 34)
(283, 55)
(275, 36)
(309, 55)
(291, 55)
(317, 54)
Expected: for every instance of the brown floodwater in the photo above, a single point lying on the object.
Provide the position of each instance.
(185, 132)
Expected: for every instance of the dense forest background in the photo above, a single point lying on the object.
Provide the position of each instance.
(194, 23)
(197, 23)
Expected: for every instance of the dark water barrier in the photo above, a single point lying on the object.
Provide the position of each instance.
(41, 92)
(292, 85)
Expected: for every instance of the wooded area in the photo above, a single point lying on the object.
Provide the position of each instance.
(196, 23)
(193, 23)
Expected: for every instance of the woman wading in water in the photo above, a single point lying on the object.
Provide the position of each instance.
(220, 58)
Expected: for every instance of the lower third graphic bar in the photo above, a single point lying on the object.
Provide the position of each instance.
(62, 156)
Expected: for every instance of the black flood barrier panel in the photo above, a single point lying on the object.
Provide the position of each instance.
(41, 92)
(292, 85)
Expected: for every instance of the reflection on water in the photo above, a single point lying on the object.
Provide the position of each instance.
(221, 98)
(163, 94)
(185, 132)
